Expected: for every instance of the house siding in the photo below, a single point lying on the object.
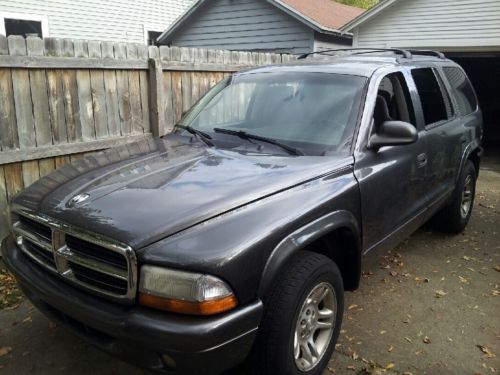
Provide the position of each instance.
(110, 20)
(447, 25)
(245, 25)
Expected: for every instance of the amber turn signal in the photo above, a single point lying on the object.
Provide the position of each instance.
(187, 307)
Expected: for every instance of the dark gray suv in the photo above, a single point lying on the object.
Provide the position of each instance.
(237, 234)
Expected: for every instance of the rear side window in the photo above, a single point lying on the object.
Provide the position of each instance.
(464, 93)
(431, 95)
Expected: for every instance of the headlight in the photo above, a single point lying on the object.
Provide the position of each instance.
(184, 292)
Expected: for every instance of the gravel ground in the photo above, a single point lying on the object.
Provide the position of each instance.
(431, 306)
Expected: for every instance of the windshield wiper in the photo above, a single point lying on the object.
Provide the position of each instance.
(200, 134)
(243, 134)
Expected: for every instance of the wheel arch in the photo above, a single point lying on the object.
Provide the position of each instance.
(320, 236)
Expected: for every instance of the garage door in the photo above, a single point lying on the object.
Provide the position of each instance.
(483, 70)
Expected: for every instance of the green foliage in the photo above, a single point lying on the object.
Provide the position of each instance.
(359, 3)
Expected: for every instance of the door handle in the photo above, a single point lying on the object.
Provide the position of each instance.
(421, 160)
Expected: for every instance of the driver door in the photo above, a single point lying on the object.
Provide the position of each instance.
(392, 179)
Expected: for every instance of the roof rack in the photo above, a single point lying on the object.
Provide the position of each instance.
(427, 52)
(403, 52)
(406, 53)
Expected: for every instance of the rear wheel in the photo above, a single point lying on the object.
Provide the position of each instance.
(302, 319)
(454, 217)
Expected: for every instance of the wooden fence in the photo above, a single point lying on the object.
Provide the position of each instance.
(61, 99)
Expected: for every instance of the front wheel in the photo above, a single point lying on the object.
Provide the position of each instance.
(302, 318)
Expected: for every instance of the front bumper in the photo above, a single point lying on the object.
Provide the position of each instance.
(197, 345)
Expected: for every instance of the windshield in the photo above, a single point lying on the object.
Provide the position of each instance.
(315, 112)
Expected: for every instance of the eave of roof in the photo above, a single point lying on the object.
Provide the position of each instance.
(277, 3)
(369, 14)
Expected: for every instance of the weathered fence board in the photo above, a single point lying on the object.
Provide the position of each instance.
(61, 99)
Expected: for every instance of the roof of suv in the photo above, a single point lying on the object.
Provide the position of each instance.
(353, 64)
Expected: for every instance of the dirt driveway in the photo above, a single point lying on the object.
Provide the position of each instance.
(431, 306)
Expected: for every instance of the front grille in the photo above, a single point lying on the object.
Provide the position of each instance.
(41, 254)
(98, 264)
(98, 279)
(95, 252)
(36, 227)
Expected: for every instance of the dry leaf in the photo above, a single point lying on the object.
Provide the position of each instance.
(486, 351)
(408, 339)
(27, 320)
(352, 307)
(390, 349)
(394, 273)
(351, 367)
(4, 350)
(466, 257)
(497, 268)
(354, 356)
(463, 280)
(426, 340)
(440, 293)
(389, 366)
(383, 332)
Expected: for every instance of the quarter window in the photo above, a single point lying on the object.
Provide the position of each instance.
(464, 93)
(431, 95)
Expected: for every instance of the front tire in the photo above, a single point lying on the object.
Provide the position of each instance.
(454, 217)
(302, 318)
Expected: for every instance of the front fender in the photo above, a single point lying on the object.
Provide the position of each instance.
(302, 237)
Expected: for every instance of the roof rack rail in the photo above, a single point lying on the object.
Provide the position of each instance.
(403, 52)
(427, 52)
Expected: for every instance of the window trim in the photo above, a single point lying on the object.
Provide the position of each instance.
(44, 20)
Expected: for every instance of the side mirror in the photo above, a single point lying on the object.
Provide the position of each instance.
(393, 133)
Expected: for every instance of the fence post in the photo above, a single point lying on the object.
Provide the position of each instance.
(156, 103)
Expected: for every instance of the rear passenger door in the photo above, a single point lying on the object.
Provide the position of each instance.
(444, 133)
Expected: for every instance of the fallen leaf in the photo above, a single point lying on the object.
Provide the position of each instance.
(497, 268)
(486, 351)
(408, 339)
(440, 293)
(463, 280)
(351, 367)
(394, 273)
(383, 332)
(418, 352)
(465, 257)
(389, 366)
(4, 350)
(355, 356)
(426, 340)
(27, 320)
(352, 307)
(390, 349)
(331, 370)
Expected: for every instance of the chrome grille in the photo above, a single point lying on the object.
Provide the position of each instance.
(98, 264)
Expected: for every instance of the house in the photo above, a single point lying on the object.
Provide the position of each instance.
(284, 26)
(110, 20)
(468, 31)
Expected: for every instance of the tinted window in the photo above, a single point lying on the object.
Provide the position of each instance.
(23, 27)
(466, 99)
(431, 96)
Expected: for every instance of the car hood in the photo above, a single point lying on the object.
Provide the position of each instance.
(146, 191)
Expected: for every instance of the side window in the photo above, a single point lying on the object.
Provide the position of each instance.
(393, 101)
(435, 107)
(464, 93)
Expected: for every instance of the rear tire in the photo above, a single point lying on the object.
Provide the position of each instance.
(454, 217)
(302, 318)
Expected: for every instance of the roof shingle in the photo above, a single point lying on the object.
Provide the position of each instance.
(327, 13)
